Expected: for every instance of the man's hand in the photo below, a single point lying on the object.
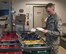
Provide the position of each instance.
(41, 29)
(33, 30)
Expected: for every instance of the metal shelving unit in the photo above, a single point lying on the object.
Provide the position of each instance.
(11, 42)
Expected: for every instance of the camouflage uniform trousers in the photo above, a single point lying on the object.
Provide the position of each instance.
(54, 49)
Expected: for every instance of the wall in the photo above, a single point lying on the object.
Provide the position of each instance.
(60, 7)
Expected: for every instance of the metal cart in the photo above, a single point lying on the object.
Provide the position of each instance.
(34, 48)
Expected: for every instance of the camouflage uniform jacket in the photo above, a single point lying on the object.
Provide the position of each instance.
(53, 25)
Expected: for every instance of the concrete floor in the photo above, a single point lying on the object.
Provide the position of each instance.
(62, 50)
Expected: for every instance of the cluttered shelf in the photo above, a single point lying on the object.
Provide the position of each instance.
(63, 41)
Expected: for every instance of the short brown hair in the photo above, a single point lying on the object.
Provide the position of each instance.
(49, 5)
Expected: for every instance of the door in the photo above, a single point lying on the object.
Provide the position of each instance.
(39, 16)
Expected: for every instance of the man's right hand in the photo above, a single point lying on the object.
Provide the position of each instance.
(33, 30)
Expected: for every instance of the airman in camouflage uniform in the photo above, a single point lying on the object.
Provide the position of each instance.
(53, 25)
